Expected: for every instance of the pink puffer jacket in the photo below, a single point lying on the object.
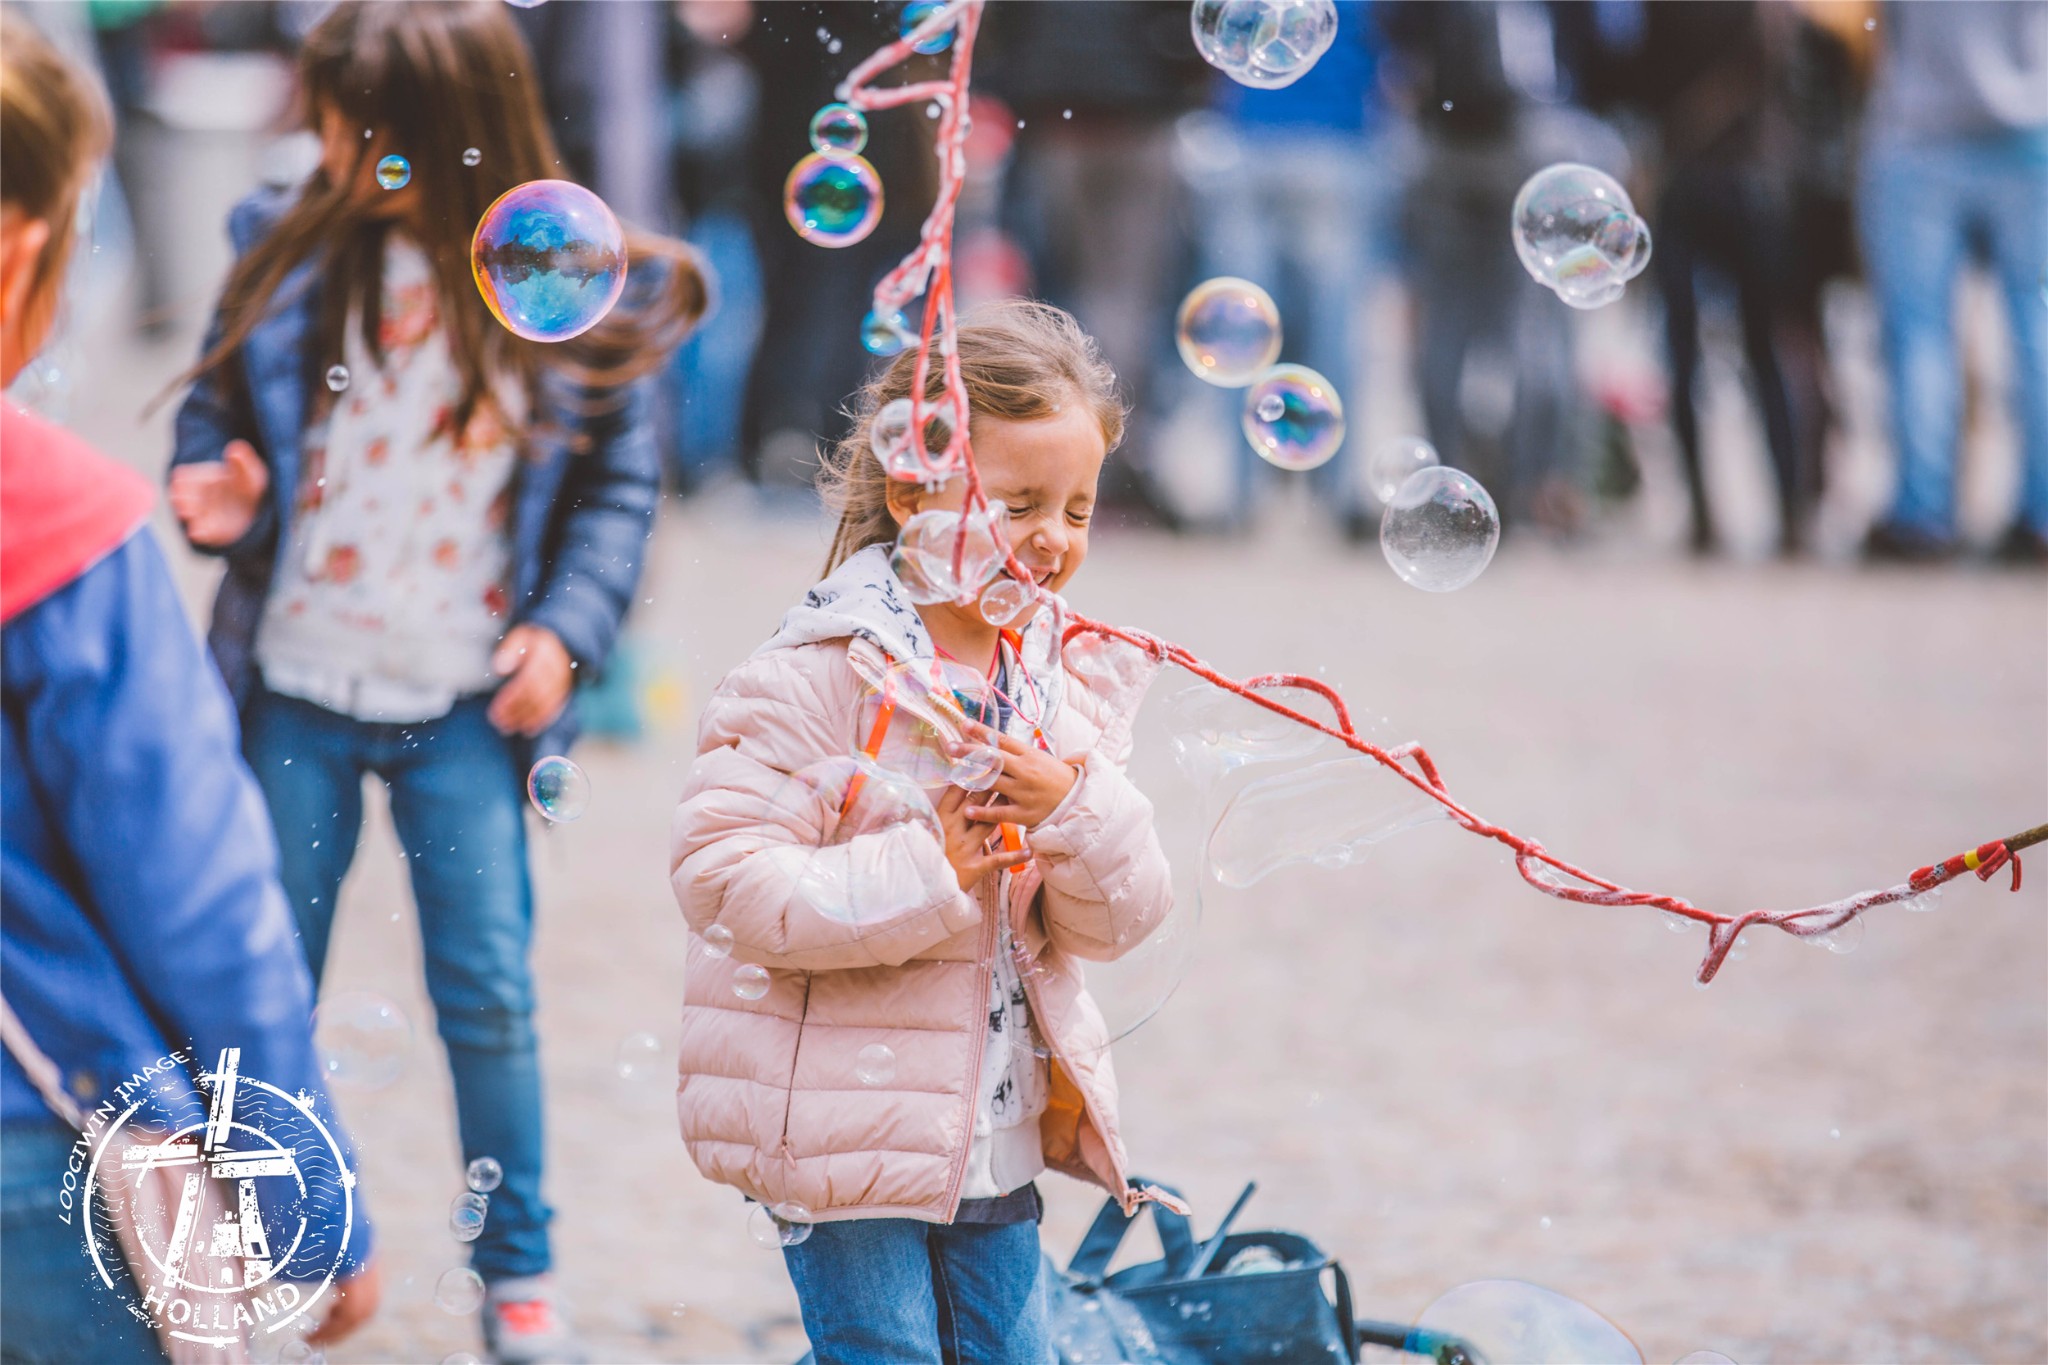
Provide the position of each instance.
(767, 1097)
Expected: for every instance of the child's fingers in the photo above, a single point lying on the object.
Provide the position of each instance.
(1004, 860)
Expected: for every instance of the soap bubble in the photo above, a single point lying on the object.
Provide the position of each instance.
(839, 129)
(526, 4)
(337, 378)
(1108, 663)
(469, 1357)
(977, 769)
(876, 1064)
(1440, 531)
(750, 982)
(459, 1291)
(1393, 463)
(1307, 427)
(1513, 1320)
(1844, 938)
(363, 1040)
(1215, 731)
(889, 436)
(944, 556)
(484, 1174)
(826, 807)
(1004, 600)
(886, 335)
(549, 259)
(832, 200)
(787, 1224)
(394, 172)
(1578, 234)
(1228, 331)
(1263, 43)
(1926, 902)
(558, 789)
(1677, 924)
(643, 1066)
(1710, 1357)
(299, 1351)
(718, 941)
(466, 1216)
(472, 156)
(916, 13)
(1330, 814)
(913, 720)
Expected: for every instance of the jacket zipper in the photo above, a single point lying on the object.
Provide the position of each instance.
(988, 936)
(789, 1095)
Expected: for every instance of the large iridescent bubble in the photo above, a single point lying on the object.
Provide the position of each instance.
(1501, 1320)
(832, 199)
(944, 556)
(1441, 529)
(1293, 417)
(549, 259)
(1577, 233)
(1263, 43)
(1228, 331)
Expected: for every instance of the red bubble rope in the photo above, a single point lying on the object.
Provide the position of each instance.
(927, 269)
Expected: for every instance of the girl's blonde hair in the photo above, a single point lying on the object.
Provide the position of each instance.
(54, 128)
(1021, 361)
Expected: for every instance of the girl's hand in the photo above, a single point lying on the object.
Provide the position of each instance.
(216, 500)
(535, 665)
(967, 841)
(1032, 785)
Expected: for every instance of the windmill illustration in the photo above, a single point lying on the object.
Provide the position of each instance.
(236, 1236)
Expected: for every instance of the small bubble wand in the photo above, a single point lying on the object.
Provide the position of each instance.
(928, 269)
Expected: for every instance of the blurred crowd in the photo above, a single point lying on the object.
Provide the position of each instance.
(1776, 149)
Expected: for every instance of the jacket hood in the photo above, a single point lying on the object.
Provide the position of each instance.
(63, 508)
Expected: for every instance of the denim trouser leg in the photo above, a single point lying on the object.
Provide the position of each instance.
(895, 1291)
(2014, 189)
(1913, 240)
(310, 763)
(458, 804)
(53, 1308)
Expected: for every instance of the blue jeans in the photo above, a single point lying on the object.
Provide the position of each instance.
(458, 800)
(53, 1308)
(896, 1291)
(1921, 207)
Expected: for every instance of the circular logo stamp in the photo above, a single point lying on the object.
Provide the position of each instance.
(225, 1227)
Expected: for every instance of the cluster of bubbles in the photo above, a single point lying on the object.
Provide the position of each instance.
(467, 1213)
(363, 1040)
(1579, 235)
(886, 334)
(459, 1291)
(781, 1225)
(1228, 333)
(1263, 43)
(549, 259)
(394, 172)
(558, 789)
(833, 197)
(948, 556)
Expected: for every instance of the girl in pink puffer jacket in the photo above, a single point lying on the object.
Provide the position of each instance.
(892, 1088)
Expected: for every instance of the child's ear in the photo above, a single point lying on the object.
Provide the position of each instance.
(905, 500)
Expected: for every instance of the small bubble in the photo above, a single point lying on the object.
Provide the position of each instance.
(1834, 1132)
(459, 1291)
(750, 982)
(466, 1216)
(337, 377)
(1066, 113)
(1447, 106)
(1544, 1221)
(1870, 25)
(787, 1224)
(718, 941)
(1677, 924)
(394, 172)
(472, 156)
(484, 1174)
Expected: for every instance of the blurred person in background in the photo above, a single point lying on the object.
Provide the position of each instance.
(1715, 78)
(1489, 88)
(1093, 196)
(137, 864)
(424, 551)
(1296, 190)
(809, 361)
(1955, 165)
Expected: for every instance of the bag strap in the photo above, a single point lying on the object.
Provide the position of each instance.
(1347, 1325)
(42, 1072)
(1106, 1234)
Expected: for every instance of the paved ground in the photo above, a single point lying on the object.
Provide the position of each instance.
(1438, 1073)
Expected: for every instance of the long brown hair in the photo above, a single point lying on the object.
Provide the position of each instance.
(436, 79)
(1020, 360)
(54, 127)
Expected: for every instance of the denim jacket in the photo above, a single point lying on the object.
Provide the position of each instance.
(580, 517)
